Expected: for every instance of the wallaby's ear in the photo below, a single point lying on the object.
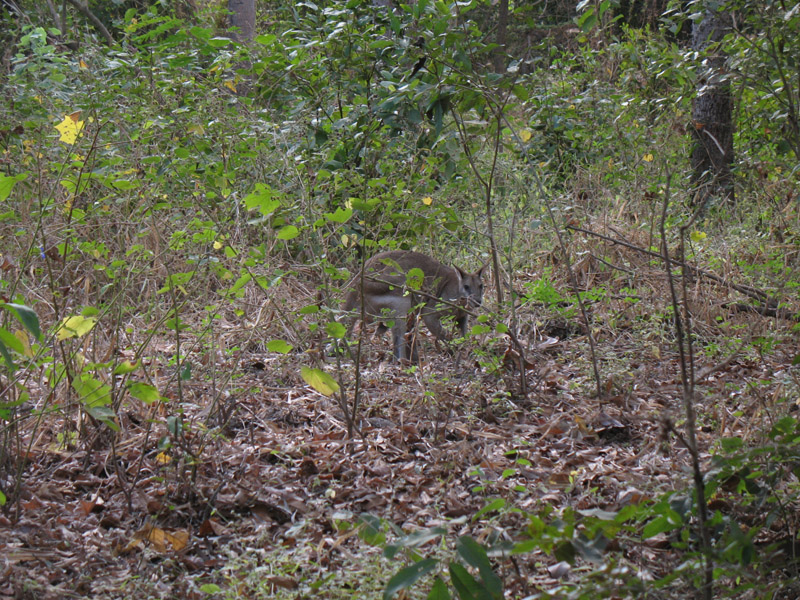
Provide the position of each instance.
(483, 267)
(459, 273)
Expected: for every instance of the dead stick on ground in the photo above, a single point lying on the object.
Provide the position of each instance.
(771, 303)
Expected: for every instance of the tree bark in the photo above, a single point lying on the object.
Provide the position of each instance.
(502, 35)
(84, 10)
(243, 17)
(712, 152)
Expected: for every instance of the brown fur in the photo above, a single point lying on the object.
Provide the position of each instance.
(387, 297)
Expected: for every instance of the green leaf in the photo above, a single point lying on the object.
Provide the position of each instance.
(279, 346)
(475, 555)
(262, 199)
(415, 278)
(521, 92)
(126, 367)
(341, 215)
(186, 371)
(336, 330)
(439, 590)
(288, 233)
(7, 184)
(144, 392)
(494, 505)
(371, 530)
(26, 316)
(465, 584)
(96, 399)
(656, 526)
(407, 577)
(12, 341)
(565, 551)
(7, 356)
(320, 381)
(210, 588)
(414, 540)
(588, 20)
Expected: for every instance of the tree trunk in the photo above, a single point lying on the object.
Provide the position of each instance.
(501, 39)
(712, 152)
(243, 16)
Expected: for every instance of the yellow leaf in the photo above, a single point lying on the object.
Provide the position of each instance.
(427, 200)
(75, 326)
(230, 85)
(647, 158)
(217, 245)
(525, 135)
(26, 345)
(70, 128)
(698, 236)
(161, 539)
(319, 380)
(163, 458)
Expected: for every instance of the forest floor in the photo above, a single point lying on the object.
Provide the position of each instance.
(259, 492)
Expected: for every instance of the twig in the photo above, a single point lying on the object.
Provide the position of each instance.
(760, 295)
(84, 10)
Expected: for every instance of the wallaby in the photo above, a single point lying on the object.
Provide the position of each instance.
(388, 297)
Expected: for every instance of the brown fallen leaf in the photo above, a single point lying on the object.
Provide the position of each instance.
(286, 583)
(161, 539)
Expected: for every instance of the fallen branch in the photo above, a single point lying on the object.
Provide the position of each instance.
(770, 306)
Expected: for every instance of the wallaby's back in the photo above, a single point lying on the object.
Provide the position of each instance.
(382, 292)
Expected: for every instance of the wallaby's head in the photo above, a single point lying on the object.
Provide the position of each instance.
(470, 286)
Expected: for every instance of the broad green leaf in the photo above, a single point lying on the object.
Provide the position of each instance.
(341, 215)
(371, 530)
(414, 278)
(26, 316)
(96, 399)
(76, 326)
(262, 199)
(407, 577)
(126, 367)
(475, 555)
(336, 330)
(91, 391)
(7, 356)
(565, 551)
(413, 540)
(656, 526)
(144, 392)
(288, 233)
(279, 346)
(7, 184)
(465, 584)
(320, 381)
(439, 590)
(494, 505)
(588, 20)
(13, 342)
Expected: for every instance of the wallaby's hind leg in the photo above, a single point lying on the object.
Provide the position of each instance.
(399, 338)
